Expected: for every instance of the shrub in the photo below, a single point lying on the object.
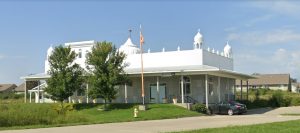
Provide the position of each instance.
(263, 91)
(201, 108)
(63, 108)
(279, 100)
(295, 101)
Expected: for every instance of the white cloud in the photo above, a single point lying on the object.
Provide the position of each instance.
(280, 61)
(289, 8)
(230, 29)
(280, 36)
(259, 19)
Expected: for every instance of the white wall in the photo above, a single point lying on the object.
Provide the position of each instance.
(213, 59)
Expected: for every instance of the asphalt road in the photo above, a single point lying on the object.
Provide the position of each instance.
(256, 116)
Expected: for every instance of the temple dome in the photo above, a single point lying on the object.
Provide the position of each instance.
(227, 50)
(198, 40)
(129, 48)
(49, 51)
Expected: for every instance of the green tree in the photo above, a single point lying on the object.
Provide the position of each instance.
(66, 76)
(106, 69)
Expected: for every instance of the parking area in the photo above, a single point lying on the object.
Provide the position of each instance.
(256, 116)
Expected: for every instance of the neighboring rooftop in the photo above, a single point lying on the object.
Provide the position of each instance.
(268, 79)
(20, 88)
(7, 87)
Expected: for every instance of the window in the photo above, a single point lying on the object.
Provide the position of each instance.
(186, 85)
(79, 53)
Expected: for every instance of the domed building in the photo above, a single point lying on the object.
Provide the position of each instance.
(129, 48)
(199, 75)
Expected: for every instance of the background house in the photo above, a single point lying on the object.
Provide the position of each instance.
(270, 81)
(7, 88)
(20, 89)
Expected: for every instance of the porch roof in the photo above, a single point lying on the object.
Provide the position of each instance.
(188, 70)
(34, 77)
(168, 71)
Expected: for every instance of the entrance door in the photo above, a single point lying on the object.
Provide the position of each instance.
(162, 93)
(157, 96)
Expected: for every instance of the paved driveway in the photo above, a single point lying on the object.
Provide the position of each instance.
(256, 116)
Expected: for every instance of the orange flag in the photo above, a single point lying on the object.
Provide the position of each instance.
(141, 36)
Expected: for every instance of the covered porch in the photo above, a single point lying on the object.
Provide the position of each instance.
(206, 85)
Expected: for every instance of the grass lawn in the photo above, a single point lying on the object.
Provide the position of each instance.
(277, 127)
(20, 116)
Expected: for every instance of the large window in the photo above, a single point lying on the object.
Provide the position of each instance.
(186, 85)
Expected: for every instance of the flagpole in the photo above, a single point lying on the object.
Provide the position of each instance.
(142, 64)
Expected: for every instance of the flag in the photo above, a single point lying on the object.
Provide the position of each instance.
(141, 36)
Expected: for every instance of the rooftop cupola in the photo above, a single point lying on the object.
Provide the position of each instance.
(128, 47)
(198, 40)
(227, 50)
(49, 52)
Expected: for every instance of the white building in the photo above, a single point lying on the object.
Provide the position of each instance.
(197, 75)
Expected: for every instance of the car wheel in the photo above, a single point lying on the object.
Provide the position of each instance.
(230, 112)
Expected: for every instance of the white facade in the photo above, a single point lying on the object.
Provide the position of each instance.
(209, 73)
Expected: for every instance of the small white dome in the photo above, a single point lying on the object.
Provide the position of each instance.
(227, 50)
(198, 39)
(129, 48)
(49, 51)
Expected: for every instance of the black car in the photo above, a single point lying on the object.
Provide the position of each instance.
(230, 108)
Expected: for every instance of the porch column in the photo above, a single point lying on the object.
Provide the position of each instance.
(30, 97)
(38, 91)
(87, 93)
(35, 97)
(157, 89)
(241, 98)
(234, 91)
(126, 98)
(219, 89)
(247, 89)
(182, 92)
(25, 92)
(206, 91)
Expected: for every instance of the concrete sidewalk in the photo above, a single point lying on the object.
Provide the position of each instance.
(154, 126)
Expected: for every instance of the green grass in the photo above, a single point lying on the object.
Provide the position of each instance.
(21, 116)
(277, 127)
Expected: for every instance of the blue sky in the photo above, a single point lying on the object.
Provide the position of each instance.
(265, 35)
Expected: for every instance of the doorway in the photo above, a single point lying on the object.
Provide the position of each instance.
(158, 95)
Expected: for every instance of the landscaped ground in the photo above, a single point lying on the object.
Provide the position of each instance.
(262, 97)
(19, 115)
(256, 116)
(277, 127)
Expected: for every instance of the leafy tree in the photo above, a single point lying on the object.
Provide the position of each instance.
(105, 64)
(66, 76)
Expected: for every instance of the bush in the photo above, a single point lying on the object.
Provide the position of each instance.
(198, 107)
(10, 95)
(257, 103)
(279, 100)
(295, 101)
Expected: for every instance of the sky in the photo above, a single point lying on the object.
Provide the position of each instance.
(264, 35)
